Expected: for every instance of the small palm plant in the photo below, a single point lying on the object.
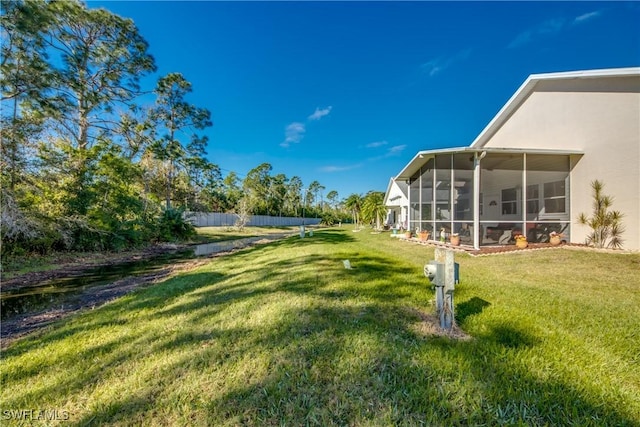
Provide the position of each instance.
(606, 225)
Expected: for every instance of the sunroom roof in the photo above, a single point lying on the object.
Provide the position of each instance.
(423, 156)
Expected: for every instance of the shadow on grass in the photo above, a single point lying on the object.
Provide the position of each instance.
(470, 307)
(357, 365)
(512, 337)
(331, 236)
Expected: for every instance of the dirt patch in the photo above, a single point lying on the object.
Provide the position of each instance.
(428, 326)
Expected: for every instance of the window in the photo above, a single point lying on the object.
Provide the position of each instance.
(533, 199)
(510, 201)
(554, 197)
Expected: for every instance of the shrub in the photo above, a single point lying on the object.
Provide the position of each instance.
(329, 219)
(172, 226)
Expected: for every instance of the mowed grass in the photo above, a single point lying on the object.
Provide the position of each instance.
(283, 334)
(219, 234)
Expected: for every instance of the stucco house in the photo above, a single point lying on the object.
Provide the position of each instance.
(530, 170)
(397, 202)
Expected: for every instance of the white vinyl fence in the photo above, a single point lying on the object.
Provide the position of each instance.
(214, 219)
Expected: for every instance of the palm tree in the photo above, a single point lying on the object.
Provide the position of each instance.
(373, 208)
(354, 203)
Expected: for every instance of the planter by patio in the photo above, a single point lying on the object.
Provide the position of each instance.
(454, 240)
(424, 235)
(407, 234)
(521, 244)
(555, 240)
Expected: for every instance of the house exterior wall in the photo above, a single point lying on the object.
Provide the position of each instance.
(598, 116)
(396, 202)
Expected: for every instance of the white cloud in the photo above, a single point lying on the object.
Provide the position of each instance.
(319, 113)
(293, 134)
(587, 17)
(437, 65)
(547, 28)
(396, 149)
(391, 151)
(432, 67)
(551, 26)
(331, 169)
(376, 144)
(522, 39)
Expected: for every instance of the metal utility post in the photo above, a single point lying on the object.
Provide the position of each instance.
(442, 273)
(434, 270)
(304, 204)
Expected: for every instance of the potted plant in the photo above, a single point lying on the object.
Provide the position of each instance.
(454, 239)
(407, 234)
(521, 241)
(555, 238)
(424, 235)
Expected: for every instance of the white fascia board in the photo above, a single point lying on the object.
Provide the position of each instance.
(605, 72)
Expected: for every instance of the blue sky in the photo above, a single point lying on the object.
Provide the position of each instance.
(346, 93)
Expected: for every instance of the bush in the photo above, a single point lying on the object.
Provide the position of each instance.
(172, 226)
(329, 219)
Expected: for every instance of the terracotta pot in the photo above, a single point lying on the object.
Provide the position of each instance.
(555, 240)
(521, 244)
(455, 240)
(424, 236)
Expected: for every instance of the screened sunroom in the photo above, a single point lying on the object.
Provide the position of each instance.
(500, 193)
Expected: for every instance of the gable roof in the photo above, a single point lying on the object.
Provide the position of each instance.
(529, 86)
(396, 190)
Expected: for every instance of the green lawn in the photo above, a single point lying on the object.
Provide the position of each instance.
(283, 334)
(219, 234)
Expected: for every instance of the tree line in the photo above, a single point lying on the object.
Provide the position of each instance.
(91, 160)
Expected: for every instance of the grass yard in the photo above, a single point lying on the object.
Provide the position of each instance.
(219, 234)
(283, 334)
